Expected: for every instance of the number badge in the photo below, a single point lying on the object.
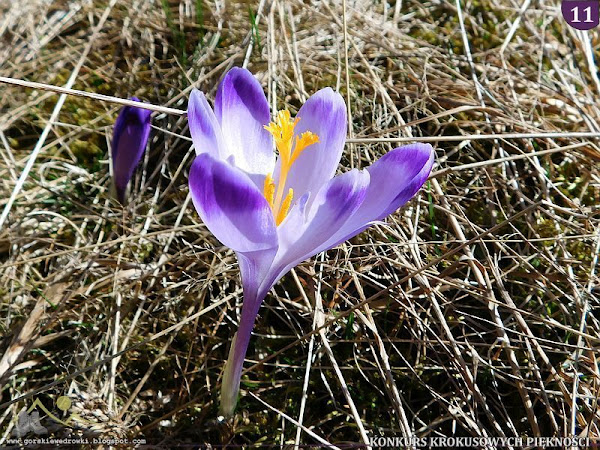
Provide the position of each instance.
(581, 14)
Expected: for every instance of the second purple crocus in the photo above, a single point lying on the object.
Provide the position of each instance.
(278, 212)
(130, 136)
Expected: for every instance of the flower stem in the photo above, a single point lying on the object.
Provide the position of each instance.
(230, 387)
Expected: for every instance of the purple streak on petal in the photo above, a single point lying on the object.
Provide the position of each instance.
(324, 114)
(242, 110)
(332, 206)
(204, 127)
(130, 136)
(231, 206)
(395, 178)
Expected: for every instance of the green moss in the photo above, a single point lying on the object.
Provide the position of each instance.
(87, 153)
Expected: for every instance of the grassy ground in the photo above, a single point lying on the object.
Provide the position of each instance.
(472, 312)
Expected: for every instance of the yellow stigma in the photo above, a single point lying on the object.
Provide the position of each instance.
(282, 130)
(304, 140)
(283, 127)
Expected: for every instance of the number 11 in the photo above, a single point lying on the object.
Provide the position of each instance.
(588, 14)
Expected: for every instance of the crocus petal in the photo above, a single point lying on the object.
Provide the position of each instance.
(130, 136)
(231, 206)
(306, 233)
(323, 114)
(204, 127)
(395, 179)
(242, 111)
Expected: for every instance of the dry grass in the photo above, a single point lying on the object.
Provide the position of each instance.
(472, 312)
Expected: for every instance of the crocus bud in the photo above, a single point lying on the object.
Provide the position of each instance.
(130, 136)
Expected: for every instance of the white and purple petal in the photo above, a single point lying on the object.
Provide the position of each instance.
(395, 178)
(323, 114)
(204, 127)
(305, 233)
(242, 111)
(231, 206)
(349, 204)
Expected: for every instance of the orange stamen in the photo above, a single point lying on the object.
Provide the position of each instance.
(269, 190)
(285, 207)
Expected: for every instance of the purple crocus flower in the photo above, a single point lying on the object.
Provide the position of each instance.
(130, 137)
(277, 212)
